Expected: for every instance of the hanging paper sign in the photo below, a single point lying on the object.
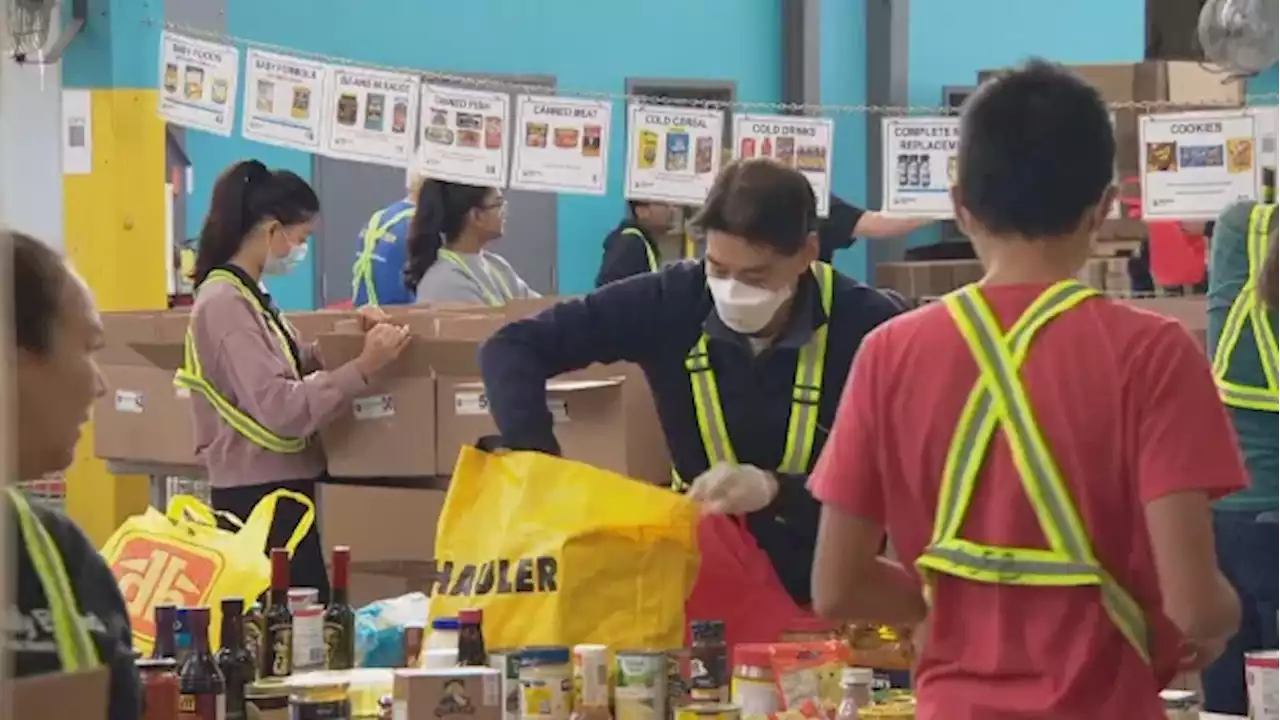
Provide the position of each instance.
(919, 165)
(464, 136)
(283, 100)
(561, 145)
(673, 153)
(373, 116)
(1268, 123)
(1195, 164)
(198, 83)
(803, 143)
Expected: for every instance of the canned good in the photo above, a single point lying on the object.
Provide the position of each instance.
(546, 683)
(590, 676)
(318, 699)
(507, 662)
(900, 710)
(1180, 704)
(1262, 678)
(753, 689)
(267, 700)
(709, 711)
(640, 685)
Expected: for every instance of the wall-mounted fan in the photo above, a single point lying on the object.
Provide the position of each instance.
(30, 24)
(1239, 35)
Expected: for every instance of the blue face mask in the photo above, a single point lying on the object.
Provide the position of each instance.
(285, 264)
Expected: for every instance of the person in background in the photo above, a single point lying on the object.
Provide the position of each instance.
(447, 261)
(1241, 338)
(1112, 444)
(738, 349)
(632, 247)
(845, 223)
(377, 277)
(262, 396)
(67, 614)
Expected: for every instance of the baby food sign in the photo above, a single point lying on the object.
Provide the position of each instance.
(464, 136)
(198, 83)
(673, 153)
(919, 165)
(1195, 164)
(561, 145)
(284, 100)
(803, 143)
(373, 116)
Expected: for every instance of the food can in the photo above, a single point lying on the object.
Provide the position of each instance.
(640, 685)
(590, 676)
(1260, 677)
(546, 683)
(267, 700)
(1180, 704)
(709, 711)
(320, 698)
(507, 662)
(301, 598)
(679, 679)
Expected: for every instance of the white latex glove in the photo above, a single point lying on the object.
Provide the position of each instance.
(733, 489)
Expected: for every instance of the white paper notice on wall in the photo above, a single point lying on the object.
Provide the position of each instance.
(373, 116)
(1268, 126)
(77, 132)
(561, 145)
(1195, 164)
(464, 136)
(919, 165)
(799, 142)
(673, 153)
(198, 83)
(283, 100)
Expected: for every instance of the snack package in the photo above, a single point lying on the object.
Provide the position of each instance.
(808, 677)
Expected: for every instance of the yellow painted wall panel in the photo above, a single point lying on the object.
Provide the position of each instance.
(115, 236)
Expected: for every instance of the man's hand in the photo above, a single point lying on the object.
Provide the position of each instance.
(728, 489)
(371, 315)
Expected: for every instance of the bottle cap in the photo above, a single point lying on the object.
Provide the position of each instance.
(470, 616)
(232, 606)
(279, 569)
(707, 630)
(857, 676)
(445, 623)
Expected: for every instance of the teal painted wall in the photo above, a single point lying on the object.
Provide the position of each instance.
(843, 81)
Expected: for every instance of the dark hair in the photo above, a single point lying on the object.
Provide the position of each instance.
(1037, 149)
(39, 277)
(244, 195)
(762, 201)
(440, 217)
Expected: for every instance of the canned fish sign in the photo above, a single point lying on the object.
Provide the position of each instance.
(640, 690)
(1260, 677)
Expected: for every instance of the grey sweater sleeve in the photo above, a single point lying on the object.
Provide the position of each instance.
(519, 288)
(446, 282)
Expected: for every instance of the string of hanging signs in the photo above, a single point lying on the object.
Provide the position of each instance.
(460, 129)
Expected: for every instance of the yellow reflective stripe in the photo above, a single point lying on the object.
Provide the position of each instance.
(690, 248)
(191, 377)
(362, 270)
(76, 650)
(706, 401)
(648, 250)
(498, 281)
(1246, 308)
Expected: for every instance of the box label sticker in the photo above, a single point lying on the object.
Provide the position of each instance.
(373, 407)
(128, 401)
(477, 403)
(182, 393)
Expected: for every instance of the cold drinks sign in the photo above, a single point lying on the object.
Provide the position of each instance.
(919, 165)
(803, 143)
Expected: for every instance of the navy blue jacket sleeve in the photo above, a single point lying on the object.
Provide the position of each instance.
(619, 322)
(624, 256)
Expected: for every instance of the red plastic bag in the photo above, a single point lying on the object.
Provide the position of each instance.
(736, 583)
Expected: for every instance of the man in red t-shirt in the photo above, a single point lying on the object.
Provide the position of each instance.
(1130, 430)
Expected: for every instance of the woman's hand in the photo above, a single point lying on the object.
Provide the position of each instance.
(371, 315)
(383, 343)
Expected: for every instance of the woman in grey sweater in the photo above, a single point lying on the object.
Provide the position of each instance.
(447, 260)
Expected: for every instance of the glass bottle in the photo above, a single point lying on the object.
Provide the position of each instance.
(708, 661)
(471, 651)
(277, 646)
(856, 683)
(160, 691)
(202, 687)
(166, 616)
(238, 666)
(339, 616)
(254, 627)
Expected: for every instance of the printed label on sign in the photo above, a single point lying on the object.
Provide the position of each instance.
(373, 407)
(128, 401)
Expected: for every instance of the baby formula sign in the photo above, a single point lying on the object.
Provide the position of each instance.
(919, 165)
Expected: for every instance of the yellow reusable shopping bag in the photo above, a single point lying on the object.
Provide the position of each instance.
(559, 552)
(182, 558)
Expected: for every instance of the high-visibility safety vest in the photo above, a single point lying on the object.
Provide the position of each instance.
(191, 377)
(653, 256)
(504, 292)
(999, 398)
(362, 270)
(806, 392)
(76, 651)
(1247, 308)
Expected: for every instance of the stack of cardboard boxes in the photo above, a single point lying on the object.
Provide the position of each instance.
(391, 454)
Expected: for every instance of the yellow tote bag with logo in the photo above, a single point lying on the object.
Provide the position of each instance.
(557, 552)
(181, 557)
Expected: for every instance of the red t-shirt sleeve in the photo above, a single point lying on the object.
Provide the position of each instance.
(848, 473)
(1185, 439)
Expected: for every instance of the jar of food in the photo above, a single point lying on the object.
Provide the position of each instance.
(444, 634)
(708, 676)
(857, 684)
(267, 700)
(546, 683)
(318, 698)
(160, 688)
(1180, 704)
(753, 689)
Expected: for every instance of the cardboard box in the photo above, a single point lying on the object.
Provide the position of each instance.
(142, 417)
(310, 325)
(1190, 310)
(930, 278)
(392, 556)
(465, 693)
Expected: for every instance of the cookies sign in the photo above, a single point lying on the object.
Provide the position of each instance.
(283, 100)
(1195, 164)
(561, 145)
(373, 116)
(673, 153)
(464, 136)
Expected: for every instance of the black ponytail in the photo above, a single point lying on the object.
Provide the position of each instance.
(244, 195)
(424, 240)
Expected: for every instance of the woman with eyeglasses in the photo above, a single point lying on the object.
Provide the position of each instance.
(447, 257)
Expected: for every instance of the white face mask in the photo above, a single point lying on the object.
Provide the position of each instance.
(282, 265)
(745, 308)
